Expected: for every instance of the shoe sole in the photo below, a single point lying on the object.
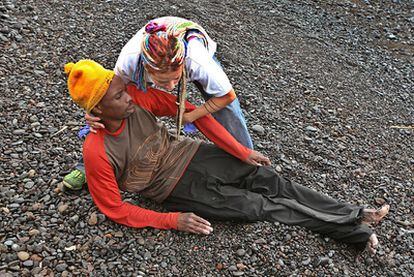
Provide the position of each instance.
(69, 186)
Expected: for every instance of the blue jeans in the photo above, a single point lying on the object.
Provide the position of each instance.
(232, 118)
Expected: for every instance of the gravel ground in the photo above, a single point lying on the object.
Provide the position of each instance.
(326, 88)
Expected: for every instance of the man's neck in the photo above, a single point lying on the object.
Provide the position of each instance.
(112, 125)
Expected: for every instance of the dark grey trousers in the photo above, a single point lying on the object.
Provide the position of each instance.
(219, 186)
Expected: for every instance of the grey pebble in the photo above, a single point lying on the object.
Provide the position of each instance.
(232, 268)
(260, 241)
(321, 261)
(392, 36)
(258, 129)
(240, 252)
(307, 261)
(29, 185)
(19, 132)
(3, 38)
(311, 129)
(28, 263)
(61, 267)
(8, 243)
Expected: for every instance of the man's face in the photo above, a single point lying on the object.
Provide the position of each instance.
(166, 80)
(116, 104)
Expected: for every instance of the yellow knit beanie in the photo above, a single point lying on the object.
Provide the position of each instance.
(88, 82)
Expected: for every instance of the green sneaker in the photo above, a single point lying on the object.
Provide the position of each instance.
(74, 180)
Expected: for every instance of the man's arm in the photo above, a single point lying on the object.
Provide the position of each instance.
(105, 192)
(161, 103)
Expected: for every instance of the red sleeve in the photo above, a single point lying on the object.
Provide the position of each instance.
(161, 103)
(105, 192)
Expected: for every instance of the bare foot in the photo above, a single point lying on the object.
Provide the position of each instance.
(372, 216)
(372, 244)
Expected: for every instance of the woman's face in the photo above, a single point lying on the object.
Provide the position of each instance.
(166, 80)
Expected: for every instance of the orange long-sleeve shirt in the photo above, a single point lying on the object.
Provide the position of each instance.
(100, 173)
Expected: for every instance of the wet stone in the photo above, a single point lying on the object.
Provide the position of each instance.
(240, 252)
(36, 258)
(19, 132)
(147, 255)
(19, 200)
(33, 118)
(3, 38)
(8, 243)
(29, 185)
(141, 241)
(258, 129)
(93, 219)
(311, 129)
(62, 208)
(75, 218)
(260, 241)
(28, 263)
(10, 257)
(61, 267)
(307, 261)
(34, 232)
(232, 268)
(23, 255)
(321, 261)
(3, 248)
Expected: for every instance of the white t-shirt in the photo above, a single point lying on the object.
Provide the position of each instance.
(199, 63)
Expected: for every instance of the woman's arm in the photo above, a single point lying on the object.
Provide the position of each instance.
(214, 104)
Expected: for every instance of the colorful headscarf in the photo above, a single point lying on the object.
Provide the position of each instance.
(146, 49)
(181, 29)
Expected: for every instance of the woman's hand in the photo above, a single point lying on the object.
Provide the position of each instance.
(188, 118)
(189, 222)
(258, 159)
(93, 122)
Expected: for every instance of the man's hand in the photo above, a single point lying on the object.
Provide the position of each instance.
(189, 222)
(256, 158)
(93, 122)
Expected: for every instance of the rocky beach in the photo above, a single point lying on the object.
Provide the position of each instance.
(327, 88)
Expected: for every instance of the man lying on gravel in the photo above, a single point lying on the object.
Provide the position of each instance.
(136, 154)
